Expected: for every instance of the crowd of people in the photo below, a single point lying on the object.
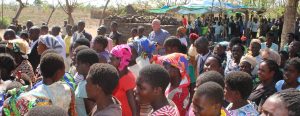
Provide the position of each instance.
(197, 72)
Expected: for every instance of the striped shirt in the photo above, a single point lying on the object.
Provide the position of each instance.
(167, 110)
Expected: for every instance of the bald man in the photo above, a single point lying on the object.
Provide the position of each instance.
(159, 36)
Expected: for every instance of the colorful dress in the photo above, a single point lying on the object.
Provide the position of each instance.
(127, 82)
(24, 67)
(247, 110)
(168, 110)
(180, 95)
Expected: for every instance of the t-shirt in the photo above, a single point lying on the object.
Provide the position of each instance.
(126, 82)
(80, 94)
(167, 110)
(68, 43)
(247, 110)
(111, 110)
(273, 46)
(253, 26)
(279, 85)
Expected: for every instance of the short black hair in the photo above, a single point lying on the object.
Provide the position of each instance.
(24, 34)
(141, 29)
(284, 54)
(104, 75)
(234, 41)
(134, 30)
(270, 34)
(87, 56)
(273, 66)
(201, 40)
(218, 58)
(81, 47)
(50, 64)
(211, 76)
(211, 90)
(45, 27)
(7, 62)
(82, 41)
(291, 99)
(101, 40)
(173, 41)
(155, 75)
(293, 62)
(239, 81)
(241, 45)
(48, 51)
(50, 110)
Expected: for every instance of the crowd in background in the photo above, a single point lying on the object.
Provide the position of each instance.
(211, 67)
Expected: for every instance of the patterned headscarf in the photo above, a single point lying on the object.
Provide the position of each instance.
(179, 61)
(124, 53)
(52, 43)
(144, 47)
(19, 46)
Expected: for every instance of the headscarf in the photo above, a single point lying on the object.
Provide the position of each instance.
(271, 55)
(52, 43)
(250, 59)
(19, 46)
(144, 47)
(193, 36)
(124, 53)
(179, 61)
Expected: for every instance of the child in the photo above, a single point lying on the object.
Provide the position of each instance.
(72, 69)
(291, 74)
(99, 44)
(101, 81)
(120, 58)
(151, 85)
(51, 92)
(238, 87)
(208, 100)
(84, 59)
(177, 66)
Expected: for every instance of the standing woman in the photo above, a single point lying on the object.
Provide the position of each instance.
(120, 58)
(19, 49)
(268, 73)
(177, 66)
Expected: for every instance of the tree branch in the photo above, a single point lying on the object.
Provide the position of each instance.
(62, 7)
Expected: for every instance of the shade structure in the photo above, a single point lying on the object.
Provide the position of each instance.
(198, 11)
(162, 10)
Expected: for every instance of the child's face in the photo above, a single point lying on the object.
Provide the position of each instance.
(291, 74)
(245, 67)
(82, 68)
(203, 106)
(91, 89)
(211, 64)
(144, 91)
(229, 94)
(97, 47)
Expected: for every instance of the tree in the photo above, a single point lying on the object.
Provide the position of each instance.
(69, 7)
(38, 2)
(103, 12)
(21, 7)
(52, 11)
(289, 20)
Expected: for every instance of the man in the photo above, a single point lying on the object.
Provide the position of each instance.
(55, 31)
(115, 35)
(44, 30)
(291, 37)
(201, 45)
(253, 27)
(269, 42)
(159, 36)
(63, 29)
(102, 31)
(29, 24)
(9, 34)
(68, 38)
(81, 32)
(34, 57)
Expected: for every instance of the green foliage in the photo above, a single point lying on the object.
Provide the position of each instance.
(4, 23)
(37, 2)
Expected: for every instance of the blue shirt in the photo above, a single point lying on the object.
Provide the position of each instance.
(159, 37)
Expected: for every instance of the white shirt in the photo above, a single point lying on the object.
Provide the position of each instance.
(218, 29)
(273, 46)
(253, 26)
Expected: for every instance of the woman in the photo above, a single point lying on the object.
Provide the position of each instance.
(213, 63)
(291, 75)
(19, 49)
(177, 66)
(232, 64)
(120, 58)
(248, 64)
(268, 72)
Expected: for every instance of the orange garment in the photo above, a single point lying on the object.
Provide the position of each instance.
(126, 82)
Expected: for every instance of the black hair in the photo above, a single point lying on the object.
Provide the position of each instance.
(50, 110)
(7, 62)
(87, 56)
(293, 62)
(270, 34)
(141, 29)
(211, 90)
(234, 41)
(50, 64)
(48, 51)
(81, 47)
(45, 27)
(155, 75)
(241, 82)
(211, 76)
(284, 54)
(101, 40)
(24, 34)
(291, 99)
(241, 45)
(134, 30)
(2, 47)
(292, 34)
(114, 23)
(82, 41)
(201, 40)
(104, 75)
(273, 66)
(173, 41)
(218, 58)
